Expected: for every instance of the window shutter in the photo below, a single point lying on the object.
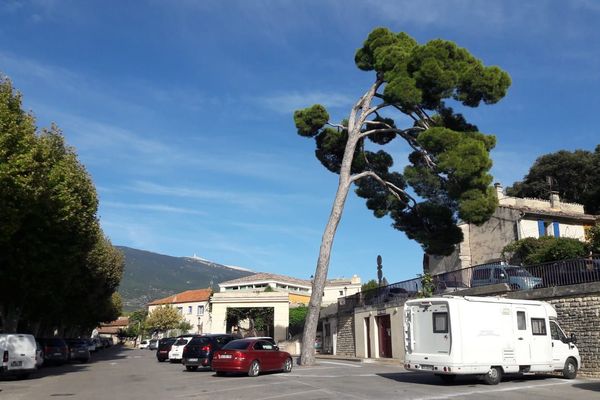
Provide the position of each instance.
(541, 228)
(556, 229)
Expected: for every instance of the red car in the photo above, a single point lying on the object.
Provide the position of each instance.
(251, 356)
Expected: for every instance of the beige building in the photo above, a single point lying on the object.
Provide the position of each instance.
(514, 219)
(299, 290)
(192, 305)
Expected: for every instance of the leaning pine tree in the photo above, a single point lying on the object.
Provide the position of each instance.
(448, 169)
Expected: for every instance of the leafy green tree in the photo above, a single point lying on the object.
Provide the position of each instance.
(17, 195)
(48, 230)
(449, 164)
(594, 239)
(372, 284)
(530, 251)
(259, 318)
(427, 284)
(184, 326)
(575, 175)
(137, 323)
(297, 319)
(163, 318)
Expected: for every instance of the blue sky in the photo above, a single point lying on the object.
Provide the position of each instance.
(182, 111)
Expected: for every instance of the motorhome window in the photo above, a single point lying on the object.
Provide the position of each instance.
(556, 332)
(440, 322)
(538, 326)
(521, 321)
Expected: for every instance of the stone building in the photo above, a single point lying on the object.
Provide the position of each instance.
(514, 219)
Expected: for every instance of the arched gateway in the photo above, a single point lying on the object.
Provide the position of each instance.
(278, 301)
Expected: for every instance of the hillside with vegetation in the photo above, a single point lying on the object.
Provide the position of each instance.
(149, 276)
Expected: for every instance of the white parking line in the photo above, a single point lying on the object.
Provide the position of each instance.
(340, 363)
(297, 375)
(499, 390)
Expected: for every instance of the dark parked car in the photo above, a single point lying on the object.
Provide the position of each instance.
(164, 346)
(55, 350)
(78, 350)
(200, 349)
(251, 356)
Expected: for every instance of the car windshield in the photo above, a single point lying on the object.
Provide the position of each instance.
(517, 272)
(236, 345)
(181, 342)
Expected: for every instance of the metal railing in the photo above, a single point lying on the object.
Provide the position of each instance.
(556, 273)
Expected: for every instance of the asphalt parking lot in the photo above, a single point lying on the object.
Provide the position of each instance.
(120, 373)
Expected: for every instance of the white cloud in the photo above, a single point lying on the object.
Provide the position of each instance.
(264, 201)
(163, 208)
(286, 103)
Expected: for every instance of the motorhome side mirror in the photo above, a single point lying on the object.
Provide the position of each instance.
(573, 338)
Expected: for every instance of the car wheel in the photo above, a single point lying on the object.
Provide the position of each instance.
(254, 369)
(287, 365)
(515, 286)
(447, 378)
(161, 359)
(493, 376)
(191, 367)
(570, 369)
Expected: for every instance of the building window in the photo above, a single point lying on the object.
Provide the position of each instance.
(341, 292)
(189, 309)
(180, 310)
(538, 326)
(200, 310)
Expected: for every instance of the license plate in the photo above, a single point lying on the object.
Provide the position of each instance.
(192, 359)
(58, 354)
(225, 356)
(427, 367)
(16, 364)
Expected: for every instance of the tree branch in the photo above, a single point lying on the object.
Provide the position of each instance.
(398, 193)
(339, 126)
(405, 134)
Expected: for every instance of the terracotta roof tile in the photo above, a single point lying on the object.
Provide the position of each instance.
(189, 296)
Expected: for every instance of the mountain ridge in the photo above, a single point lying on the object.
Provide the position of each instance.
(149, 276)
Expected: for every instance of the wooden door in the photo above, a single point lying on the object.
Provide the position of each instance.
(385, 336)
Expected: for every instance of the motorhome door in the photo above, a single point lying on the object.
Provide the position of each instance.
(522, 337)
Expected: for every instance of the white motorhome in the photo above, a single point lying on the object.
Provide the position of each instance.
(485, 336)
(18, 354)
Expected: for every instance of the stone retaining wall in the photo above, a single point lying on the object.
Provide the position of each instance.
(345, 336)
(581, 316)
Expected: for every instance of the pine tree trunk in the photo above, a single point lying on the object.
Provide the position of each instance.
(357, 117)
(307, 355)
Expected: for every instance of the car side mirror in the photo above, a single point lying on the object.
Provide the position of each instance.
(573, 338)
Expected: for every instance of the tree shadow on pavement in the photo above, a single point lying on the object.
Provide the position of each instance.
(592, 386)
